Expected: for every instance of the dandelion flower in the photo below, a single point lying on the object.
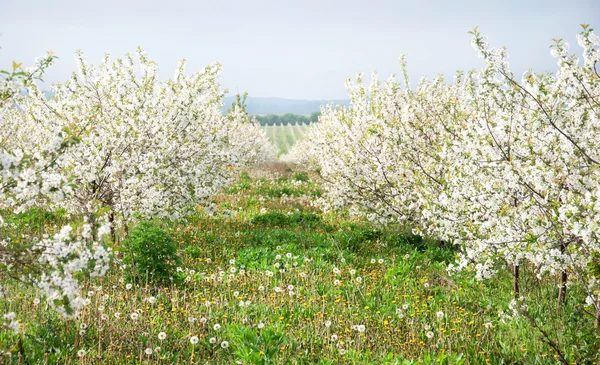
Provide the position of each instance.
(217, 327)
(162, 336)
(224, 344)
(440, 315)
(429, 335)
(194, 340)
(148, 351)
(134, 316)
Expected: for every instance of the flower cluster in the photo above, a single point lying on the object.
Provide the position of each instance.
(147, 148)
(506, 169)
(113, 142)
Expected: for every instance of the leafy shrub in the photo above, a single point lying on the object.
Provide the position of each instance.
(301, 176)
(244, 176)
(293, 220)
(244, 185)
(152, 254)
(271, 219)
(316, 193)
(193, 252)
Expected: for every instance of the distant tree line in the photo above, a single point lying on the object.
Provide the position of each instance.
(289, 118)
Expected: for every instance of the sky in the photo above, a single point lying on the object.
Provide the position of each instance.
(291, 49)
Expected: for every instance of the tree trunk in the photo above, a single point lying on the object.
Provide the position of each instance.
(516, 281)
(113, 232)
(93, 223)
(562, 291)
(598, 311)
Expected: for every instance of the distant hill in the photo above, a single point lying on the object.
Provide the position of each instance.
(264, 106)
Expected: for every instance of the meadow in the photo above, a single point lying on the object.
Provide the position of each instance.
(262, 277)
(285, 136)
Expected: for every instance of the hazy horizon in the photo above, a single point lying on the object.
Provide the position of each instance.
(294, 50)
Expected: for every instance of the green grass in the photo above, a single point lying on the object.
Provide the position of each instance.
(285, 136)
(298, 270)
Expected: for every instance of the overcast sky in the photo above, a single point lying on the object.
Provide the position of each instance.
(292, 49)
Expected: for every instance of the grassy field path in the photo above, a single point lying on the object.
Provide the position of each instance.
(268, 279)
